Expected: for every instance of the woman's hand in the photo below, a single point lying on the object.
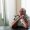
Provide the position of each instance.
(22, 17)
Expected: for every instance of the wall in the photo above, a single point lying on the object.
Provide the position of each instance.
(18, 6)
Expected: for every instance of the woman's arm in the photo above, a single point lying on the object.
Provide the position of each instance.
(15, 23)
(25, 23)
(16, 19)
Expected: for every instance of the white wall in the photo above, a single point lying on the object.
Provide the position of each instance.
(18, 5)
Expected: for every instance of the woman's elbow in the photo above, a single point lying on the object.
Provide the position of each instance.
(26, 25)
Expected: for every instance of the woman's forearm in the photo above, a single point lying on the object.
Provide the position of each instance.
(14, 24)
(25, 24)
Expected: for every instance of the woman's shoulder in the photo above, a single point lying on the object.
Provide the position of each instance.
(16, 15)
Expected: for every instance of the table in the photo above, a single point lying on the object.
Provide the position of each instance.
(7, 28)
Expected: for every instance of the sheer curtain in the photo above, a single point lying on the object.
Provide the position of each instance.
(10, 10)
(1, 14)
(7, 11)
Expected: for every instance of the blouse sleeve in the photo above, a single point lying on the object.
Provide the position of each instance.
(16, 18)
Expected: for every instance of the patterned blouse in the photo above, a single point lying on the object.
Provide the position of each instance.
(19, 22)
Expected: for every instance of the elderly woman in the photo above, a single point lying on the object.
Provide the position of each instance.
(21, 20)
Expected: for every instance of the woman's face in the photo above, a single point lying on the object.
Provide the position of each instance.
(22, 12)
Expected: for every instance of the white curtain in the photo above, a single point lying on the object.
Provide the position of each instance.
(2, 7)
(0, 10)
